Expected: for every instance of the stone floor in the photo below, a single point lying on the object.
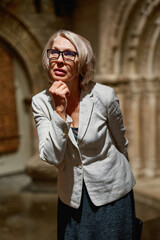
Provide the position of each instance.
(147, 196)
(28, 210)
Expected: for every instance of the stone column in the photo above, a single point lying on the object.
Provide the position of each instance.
(135, 146)
(150, 134)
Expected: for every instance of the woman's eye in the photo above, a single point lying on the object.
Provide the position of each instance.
(54, 52)
(68, 53)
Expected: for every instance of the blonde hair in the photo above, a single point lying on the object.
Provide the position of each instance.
(86, 59)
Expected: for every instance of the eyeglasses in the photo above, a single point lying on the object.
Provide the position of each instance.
(66, 55)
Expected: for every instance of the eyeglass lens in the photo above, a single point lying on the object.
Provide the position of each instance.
(67, 55)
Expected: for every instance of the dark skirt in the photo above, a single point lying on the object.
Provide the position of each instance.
(113, 221)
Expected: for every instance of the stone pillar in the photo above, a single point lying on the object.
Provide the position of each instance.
(135, 146)
(150, 134)
(137, 139)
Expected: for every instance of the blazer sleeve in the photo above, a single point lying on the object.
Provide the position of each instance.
(52, 132)
(116, 126)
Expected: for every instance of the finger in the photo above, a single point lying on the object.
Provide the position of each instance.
(62, 91)
(61, 86)
(65, 89)
(56, 85)
(54, 88)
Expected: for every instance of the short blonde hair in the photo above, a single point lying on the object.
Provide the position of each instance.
(86, 59)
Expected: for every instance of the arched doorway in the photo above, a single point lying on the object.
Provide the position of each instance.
(129, 51)
(16, 130)
(25, 51)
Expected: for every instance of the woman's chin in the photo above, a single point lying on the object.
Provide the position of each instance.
(59, 78)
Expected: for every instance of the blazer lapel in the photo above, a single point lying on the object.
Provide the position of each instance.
(86, 108)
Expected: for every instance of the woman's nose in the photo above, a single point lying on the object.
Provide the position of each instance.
(60, 58)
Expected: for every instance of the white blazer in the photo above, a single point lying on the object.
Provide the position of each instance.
(99, 156)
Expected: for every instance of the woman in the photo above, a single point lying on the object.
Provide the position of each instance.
(80, 130)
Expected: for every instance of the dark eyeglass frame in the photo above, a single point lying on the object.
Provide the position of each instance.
(63, 56)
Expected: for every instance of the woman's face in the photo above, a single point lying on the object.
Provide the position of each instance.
(59, 69)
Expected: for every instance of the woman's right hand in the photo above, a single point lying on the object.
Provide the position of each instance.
(60, 91)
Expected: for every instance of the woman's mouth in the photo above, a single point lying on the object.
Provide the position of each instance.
(59, 72)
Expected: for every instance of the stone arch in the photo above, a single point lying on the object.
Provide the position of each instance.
(120, 27)
(26, 51)
(140, 37)
(129, 60)
(139, 64)
(111, 37)
(150, 36)
(26, 46)
(121, 46)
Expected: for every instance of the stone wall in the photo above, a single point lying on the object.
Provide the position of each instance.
(125, 36)
(129, 53)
